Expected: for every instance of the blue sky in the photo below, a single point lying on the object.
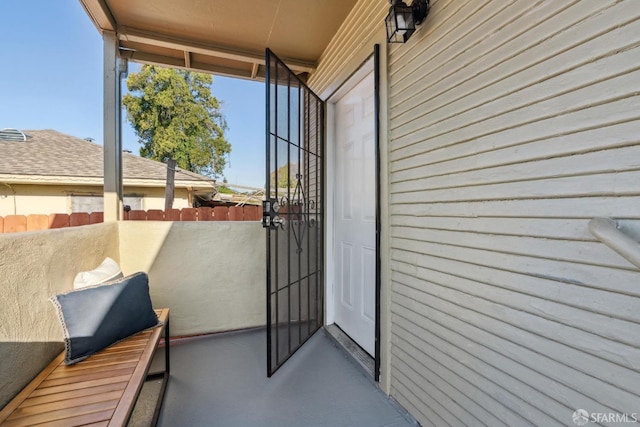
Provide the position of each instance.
(51, 78)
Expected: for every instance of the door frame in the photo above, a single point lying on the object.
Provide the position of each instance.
(370, 64)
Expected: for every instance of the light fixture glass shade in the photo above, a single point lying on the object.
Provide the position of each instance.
(399, 22)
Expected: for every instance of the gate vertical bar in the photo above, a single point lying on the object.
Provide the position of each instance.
(320, 148)
(288, 213)
(376, 112)
(277, 235)
(300, 283)
(268, 196)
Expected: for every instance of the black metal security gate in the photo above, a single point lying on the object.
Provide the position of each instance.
(293, 212)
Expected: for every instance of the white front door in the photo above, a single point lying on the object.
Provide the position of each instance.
(355, 214)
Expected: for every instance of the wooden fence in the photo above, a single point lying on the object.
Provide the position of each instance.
(19, 223)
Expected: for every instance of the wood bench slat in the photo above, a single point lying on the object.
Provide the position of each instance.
(23, 411)
(86, 377)
(61, 414)
(102, 418)
(88, 363)
(73, 393)
(100, 424)
(137, 338)
(79, 386)
(126, 344)
(123, 411)
(101, 361)
(120, 357)
(134, 346)
(65, 373)
(100, 390)
(87, 366)
(122, 353)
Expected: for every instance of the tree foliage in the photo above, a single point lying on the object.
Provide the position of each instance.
(175, 116)
(287, 171)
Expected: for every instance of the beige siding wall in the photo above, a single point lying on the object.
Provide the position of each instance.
(352, 42)
(20, 199)
(33, 199)
(512, 123)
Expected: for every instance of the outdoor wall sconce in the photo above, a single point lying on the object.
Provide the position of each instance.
(402, 19)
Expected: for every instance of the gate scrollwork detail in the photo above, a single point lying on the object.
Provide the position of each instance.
(296, 212)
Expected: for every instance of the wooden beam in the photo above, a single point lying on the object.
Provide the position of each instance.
(154, 59)
(254, 70)
(187, 59)
(100, 15)
(146, 37)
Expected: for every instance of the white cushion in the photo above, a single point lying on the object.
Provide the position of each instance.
(107, 271)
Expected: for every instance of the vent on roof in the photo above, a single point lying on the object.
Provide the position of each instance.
(13, 135)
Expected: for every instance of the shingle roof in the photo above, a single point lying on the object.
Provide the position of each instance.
(52, 153)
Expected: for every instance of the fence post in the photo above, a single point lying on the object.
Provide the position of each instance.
(137, 215)
(189, 214)
(236, 213)
(37, 222)
(78, 218)
(96, 217)
(15, 223)
(58, 221)
(221, 213)
(252, 213)
(172, 215)
(155, 215)
(205, 214)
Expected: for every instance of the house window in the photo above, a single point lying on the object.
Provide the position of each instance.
(134, 201)
(93, 203)
(86, 203)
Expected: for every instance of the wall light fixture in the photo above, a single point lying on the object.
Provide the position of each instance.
(402, 19)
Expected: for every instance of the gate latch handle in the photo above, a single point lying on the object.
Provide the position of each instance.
(270, 218)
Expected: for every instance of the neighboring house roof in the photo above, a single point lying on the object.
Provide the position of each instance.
(52, 157)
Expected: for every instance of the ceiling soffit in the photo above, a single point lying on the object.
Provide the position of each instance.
(221, 36)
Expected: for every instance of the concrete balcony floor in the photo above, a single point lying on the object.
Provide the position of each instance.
(220, 380)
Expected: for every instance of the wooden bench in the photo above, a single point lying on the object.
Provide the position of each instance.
(99, 391)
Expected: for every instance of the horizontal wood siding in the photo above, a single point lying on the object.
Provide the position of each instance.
(364, 21)
(512, 124)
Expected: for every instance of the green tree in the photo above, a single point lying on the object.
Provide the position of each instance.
(175, 116)
(290, 170)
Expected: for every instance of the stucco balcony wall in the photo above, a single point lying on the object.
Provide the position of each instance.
(33, 267)
(210, 274)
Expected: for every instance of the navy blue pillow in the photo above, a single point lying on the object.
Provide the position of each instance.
(95, 317)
